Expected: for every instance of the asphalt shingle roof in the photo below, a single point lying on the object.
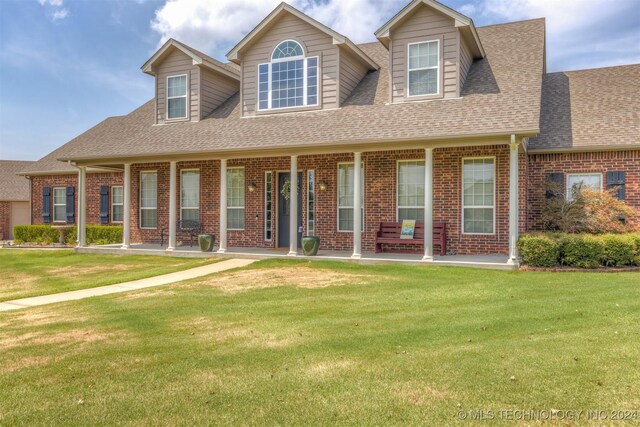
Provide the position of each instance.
(13, 187)
(501, 95)
(590, 109)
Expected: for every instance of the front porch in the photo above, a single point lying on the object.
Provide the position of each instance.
(496, 262)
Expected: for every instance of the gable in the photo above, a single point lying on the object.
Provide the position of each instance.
(176, 63)
(314, 42)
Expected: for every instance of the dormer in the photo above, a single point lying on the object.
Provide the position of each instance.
(291, 62)
(189, 84)
(431, 48)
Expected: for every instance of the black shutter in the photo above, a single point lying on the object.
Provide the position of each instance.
(46, 205)
(71, 204)
(616, 180)
(104, 204)
(558, 180)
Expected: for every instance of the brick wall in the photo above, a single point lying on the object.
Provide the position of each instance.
(94, 181)
(540, 165)
(380, 197)
(5, 211)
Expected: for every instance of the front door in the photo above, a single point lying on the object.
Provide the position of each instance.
(284, 208)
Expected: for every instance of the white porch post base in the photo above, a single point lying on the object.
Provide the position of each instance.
(513, 202)
(223, 207)
(172, 206)
(428, 205)
(126, 208)
(293, 208)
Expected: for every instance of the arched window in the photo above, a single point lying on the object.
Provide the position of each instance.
(289, 80)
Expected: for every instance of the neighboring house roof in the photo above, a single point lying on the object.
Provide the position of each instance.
(465, 24)
(590, 109)
(199, 58)
(265, 24)
(501, 96)
(13, 187)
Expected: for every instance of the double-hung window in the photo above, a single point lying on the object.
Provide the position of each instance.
(346, 196)
(60, 204)
(235, 198)
(148, 199)
(289, 80)
(411, 190)
(577, 181)
(177, 97)
(478, 195)
(190, 195)
(117, 204)
(424, 68)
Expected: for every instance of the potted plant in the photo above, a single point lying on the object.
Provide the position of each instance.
(310, 245)
(206, 242)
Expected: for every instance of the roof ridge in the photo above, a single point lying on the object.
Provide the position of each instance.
(514, 22)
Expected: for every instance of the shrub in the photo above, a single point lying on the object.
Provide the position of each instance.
(618, 250)
(581, 251)
(635, 238)
(539, 250)
(98, 234)
(38, 234)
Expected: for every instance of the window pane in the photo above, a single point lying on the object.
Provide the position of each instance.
(410, 190)
(345, 219)
(478, 195)
(411, 213)
(177, 86)
(311, 203)
(190, 189)
(148, 218)
(235, 188)
(117, 195)
(177, 108)
(148, 189)
(287, 49)
(191, 214)
(117, 213)
(60, 213)
(268, 194)
(287, 84)
(235, 218)
(423, 82)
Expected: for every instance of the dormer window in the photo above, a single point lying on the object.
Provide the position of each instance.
(177, 97)
(290, 80)
(424, 64)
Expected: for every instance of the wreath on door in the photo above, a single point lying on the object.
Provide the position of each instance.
(286, 189)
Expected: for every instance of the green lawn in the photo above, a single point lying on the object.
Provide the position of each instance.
(27, 273)
(299, 343)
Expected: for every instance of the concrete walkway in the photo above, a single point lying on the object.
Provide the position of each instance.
(149, 282)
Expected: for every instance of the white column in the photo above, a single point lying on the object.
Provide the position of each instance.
(513, 201)
(82, 201)
(357, 206)
(79, 221)
(428, 205)
(172, 206)
(223, 207)
(293, 208)
(126, 208)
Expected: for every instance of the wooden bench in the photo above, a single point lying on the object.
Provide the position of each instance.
(389, 233)
(190, 226)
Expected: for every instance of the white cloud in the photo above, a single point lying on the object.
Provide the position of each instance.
(217, 25)
(60, 14)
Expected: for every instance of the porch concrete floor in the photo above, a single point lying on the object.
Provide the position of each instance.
(476, 261)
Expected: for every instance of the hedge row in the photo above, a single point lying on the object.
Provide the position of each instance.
(580, 250)
(45, 234)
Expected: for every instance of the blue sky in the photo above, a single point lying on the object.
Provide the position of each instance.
(66, 65)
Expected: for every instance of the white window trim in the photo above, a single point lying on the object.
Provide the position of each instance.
(199, 188)
(53, 204)
(398, 188)
(338, 207)
(495, 196)
(117, 204)
(288, 58)
(304, 86)
(140, 201)
(244, 198)
(309, 190)
(185, 96)
(268, 177)
(566, 183)
(437, 68)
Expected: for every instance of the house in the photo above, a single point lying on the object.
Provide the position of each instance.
(14, 197)
(303, 132)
